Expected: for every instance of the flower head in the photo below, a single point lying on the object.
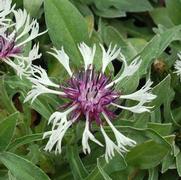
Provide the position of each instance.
(91, 94)
(87, 89)
(15, 36)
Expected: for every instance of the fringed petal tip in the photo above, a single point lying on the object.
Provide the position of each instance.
(177, 65)
(87, 54)
(63, 59)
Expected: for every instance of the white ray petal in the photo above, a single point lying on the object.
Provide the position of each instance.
(86, 136)
(22, 19)
(87, 54)
(19, 67)
(63, 58)
(128, 70)
(122, 141)
(109, 56)
(110, 146)
(56, 136)
(33, 54)
(177, 65)
(23, 65)
(24, 26)
(139, 108)
(59, 118)
(41, 76)
(38, 89)
(34, 33)
(144, 94)
(59, 128)
(5, 10)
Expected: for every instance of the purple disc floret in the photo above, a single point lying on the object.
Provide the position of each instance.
(7, 48)
(87, 89)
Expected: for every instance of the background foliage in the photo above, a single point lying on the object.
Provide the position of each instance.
(151, 29)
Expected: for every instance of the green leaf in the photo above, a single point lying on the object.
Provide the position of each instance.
(21, 168)
(156, 46)
(168, 162)
(174, 9)
(42, 106)
(128, 84)
(78, 169)
(178, 163)
(4, 98)
(163, 92)
(25, 140)
(111, 35)
(148, 154)
(162, 129)
(160, 16)
(165, 95)
(128, 28)
(33, 6)
(124, 5)
(109, 13)
(153, 174)
(7, 127)
(66, 27)
(104, 169)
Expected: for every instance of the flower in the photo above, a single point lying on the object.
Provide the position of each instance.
(23, 65)
(5, 10)
(15, 36)
(91, 94)
(178, 65)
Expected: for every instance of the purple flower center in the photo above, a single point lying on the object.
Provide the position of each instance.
(87, 90)
(7, 48)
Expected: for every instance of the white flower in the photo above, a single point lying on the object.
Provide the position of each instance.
(90, 93)
(178, 65)
(23, 65)
(5, 10)
(22, 19)
(15, 36)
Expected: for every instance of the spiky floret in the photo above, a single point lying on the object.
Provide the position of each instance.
(87, 89)
(7, 47)
(91, 94)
